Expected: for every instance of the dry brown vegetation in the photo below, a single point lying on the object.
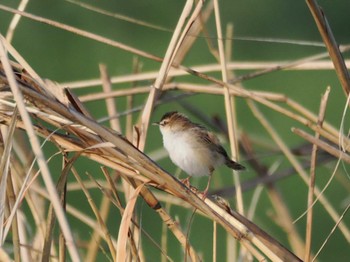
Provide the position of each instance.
(49, 113)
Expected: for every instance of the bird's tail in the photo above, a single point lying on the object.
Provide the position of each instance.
(234, 165)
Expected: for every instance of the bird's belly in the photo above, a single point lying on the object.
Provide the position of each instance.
(186, 156)
(190, 164)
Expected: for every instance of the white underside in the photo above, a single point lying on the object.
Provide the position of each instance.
(193, 158)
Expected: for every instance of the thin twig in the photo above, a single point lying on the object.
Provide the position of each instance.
(332, 231)
(309, 217)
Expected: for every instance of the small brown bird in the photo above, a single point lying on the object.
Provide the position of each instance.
(192, 147)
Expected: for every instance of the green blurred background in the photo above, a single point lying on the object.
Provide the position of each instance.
(63, 56)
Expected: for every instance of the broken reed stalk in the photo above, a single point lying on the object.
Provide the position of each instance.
(309, 217)
(331, 44)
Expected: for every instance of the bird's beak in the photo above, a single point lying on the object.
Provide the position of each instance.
(155, 124)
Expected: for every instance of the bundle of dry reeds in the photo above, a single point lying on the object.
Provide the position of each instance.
(51, 113)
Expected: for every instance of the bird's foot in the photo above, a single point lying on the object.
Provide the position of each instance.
(205, 192)
(186, 181)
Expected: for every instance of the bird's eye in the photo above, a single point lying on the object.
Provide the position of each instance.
(164, 122)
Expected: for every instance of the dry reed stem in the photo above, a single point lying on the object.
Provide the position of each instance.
(127, 48)
(279, 67)
(4, 255)
(284, 218)
(173, 47)
(253, 235)
(133, 232)
(66, 165)
(15, 20)
(237, 65)
(82, 33)
(189, 87)
(153, 202)
(138, 161)
(95, 240)
(132, 166)
(295, 163)
(16, 232)
(124, 47)
(192, 34)
(230, 116)
(326, 127)
(22, 63)
(110, 102)
(115, 125)
(129, 101)
(125, 225)
(182, 44)
(4, 168)
(149, 105)
(333, 139)
(72, 146)
(164, 236)
(180, 236)
(230, 241)
(323, 145)
(331, 44)
(309, 218)
(76, 213)
(25, 242)
(99, 218)
(228, 44)
(223, 56)
(114, 196)
(39, 154)
(51, 218)
(155, 58)
(34, 203)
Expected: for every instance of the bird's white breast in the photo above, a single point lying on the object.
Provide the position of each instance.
(185, 152)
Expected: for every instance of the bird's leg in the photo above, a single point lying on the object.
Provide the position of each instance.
(186, 181)
(207, 188)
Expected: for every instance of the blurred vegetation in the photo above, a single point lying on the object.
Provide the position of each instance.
(64, 57)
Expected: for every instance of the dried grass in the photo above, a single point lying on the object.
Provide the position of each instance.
(54, 113)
